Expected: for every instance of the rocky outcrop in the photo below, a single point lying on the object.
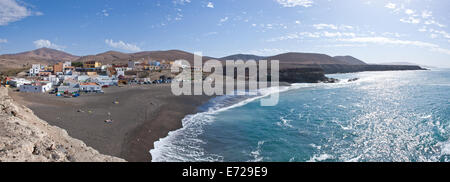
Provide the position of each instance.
(341, 68)
(304, 75)
(316, 73)
(24, 137)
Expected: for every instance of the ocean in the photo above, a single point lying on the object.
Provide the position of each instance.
(384, 116)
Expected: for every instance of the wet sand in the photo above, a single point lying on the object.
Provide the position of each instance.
(143, 115)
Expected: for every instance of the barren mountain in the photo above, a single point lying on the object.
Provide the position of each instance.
(41, 54)
(107, 57)
(304, 58)
(38, 56)
(244, 57)
(50, 56)
(123, 58)
(350, 60)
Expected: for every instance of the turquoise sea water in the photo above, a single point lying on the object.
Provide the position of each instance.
(384, 116)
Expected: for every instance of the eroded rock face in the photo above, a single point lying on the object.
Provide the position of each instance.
(304, 75)
(26, 138)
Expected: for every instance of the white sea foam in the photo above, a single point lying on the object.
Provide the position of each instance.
(356, 159)
(284, 122)
(315, 146)
(257, 153)
(319, 158)
(445, 148)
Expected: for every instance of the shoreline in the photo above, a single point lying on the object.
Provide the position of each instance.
(144, 115)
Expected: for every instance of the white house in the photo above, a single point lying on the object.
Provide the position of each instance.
(67, 77)
(67, 64)
(19, 82)
(39, 87)
(83, 78)
(90, 87)
(35, 69)
(120, 69)
(69, 87)
(106, 80)
(54, 79)
(120, 73)
(181, 63)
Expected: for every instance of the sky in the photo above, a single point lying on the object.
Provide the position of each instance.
(375, 31)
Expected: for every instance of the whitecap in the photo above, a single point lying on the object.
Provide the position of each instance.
(445, 149)
(319, 158)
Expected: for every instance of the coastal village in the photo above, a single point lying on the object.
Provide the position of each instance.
(71, 79)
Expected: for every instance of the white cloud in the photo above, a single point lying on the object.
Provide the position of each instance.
(423, 29)
(346, 27)
(410, 20)
(393, 34)
(182, 2)
(294, 3)
(427, 14)
(302, 35)
(391, 6)
(211, 33)
(122, 45)
(433, 22)
(409, 12)
(338, 34)
(3, 41)
(285, 37)
(435, 33)
(210, 5)
(298, 22)
(46, 43)
(343, 45)
(11, 11)
(105, 13)
(384, 40)
(224, 19)
(324, 26)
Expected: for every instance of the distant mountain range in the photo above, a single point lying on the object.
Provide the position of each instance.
(50, 56)
(40, 56)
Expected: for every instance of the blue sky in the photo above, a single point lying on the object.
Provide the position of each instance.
(375, 31)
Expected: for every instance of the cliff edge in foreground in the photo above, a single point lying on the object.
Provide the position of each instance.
(24, 137)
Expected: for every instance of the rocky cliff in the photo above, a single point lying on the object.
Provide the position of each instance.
(316, 73)
(339, 68)
(304, 75)
(24, 137)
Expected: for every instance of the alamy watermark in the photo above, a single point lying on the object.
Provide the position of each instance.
(230, 77)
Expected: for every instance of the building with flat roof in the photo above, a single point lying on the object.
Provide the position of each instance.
(37, 87)
(92, 64)
(90, 87)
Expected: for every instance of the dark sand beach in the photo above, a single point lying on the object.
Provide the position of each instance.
(143, 115)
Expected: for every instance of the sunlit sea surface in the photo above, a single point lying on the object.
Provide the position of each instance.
(384, 116)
